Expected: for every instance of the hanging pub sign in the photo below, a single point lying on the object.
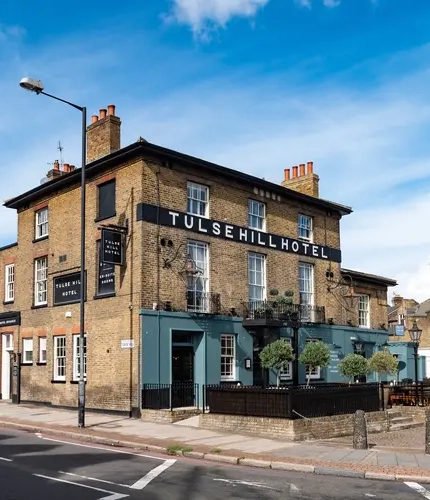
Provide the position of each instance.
(67, 289)
(113, 249)
(106, 276)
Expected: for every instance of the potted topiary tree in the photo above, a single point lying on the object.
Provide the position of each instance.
(314, 355)
(353, 366)
(383, 362)
(276, 356)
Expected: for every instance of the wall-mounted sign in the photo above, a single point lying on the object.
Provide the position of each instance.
(400, 330)
(218, 229)
(113, 248)
(127, 344)
(106, 276)
(10, 319)
(67, 289)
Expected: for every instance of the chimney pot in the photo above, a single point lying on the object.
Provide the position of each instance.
(94, 119)
(103, 113)
(310, 167)
(295, 171)
(66, 167)
(56, 165)
(71, 168)
(111, 109)
(287, 174)
(302, 169)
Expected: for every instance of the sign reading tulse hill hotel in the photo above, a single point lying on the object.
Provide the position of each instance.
(218, 229)
(67, 289)
(112, 247)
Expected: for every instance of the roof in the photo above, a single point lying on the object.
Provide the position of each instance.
(6, 247)
(370, 278)
(170, 157)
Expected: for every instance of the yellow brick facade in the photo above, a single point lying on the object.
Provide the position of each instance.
(113, 373)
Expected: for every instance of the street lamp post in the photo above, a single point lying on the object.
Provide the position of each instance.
(415, 334)
(36, 86)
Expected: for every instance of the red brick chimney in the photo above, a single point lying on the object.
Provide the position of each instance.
(303, 179)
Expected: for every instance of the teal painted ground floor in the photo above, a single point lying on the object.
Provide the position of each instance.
(180, 347)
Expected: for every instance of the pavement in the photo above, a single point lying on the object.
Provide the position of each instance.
(331, 457)
(42, 467)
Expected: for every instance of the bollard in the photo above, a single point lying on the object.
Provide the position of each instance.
(427, 437)
(360, 431)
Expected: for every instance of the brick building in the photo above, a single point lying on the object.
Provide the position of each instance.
(212, 258)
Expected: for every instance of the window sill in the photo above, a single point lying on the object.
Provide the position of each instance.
(41, 363)
(76, 382)
(42, 238)
(26, 364)
(8, 302)
(41, 306)
(105, 217)
(58, 381)
(105, 296)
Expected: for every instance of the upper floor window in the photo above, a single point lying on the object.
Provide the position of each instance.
(256, 215)
(363, 311)
(41, 281)
(197, 199)
(106, 200)
(41, 229)
(306, 290)
(305, 226)
(198, 286)
(256, 278)
(9, 283)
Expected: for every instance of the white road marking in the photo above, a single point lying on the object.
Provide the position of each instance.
(94, 479)
(6, 459)
(420, 489)
(112, 494)
(152, 474)
(101, 448)
(369, 495)
(234, 482)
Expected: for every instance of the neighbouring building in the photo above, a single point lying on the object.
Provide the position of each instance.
(212, 264)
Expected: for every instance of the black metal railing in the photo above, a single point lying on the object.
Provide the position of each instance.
(292, 402)
(203, 302)
(273, 310)
(170, 396)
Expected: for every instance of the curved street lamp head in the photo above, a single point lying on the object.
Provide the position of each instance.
(31, 85)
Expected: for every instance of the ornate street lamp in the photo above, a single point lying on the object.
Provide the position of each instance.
(415, 335)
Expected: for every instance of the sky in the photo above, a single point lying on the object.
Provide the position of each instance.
(254, 85)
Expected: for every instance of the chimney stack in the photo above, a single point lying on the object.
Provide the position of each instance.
(303, 179)
(55, 171)
(103, 134)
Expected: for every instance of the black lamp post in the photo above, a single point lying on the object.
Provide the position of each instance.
(415, 334)
(36, 86)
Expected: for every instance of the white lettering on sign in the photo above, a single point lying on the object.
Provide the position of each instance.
(127, 344)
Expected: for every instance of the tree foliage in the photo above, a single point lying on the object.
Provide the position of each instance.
(353, 365)
(276, 356)
(314, 355)
(383, 362)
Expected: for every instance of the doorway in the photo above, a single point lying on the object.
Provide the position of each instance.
(183, 387)
(6, 365)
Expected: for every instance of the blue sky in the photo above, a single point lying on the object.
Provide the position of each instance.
(256, 85)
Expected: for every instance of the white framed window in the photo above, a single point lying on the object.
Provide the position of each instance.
(41, 226)
(401, 319)
(363, 311)
(42, 349)
(9, 283)
(256, 278)
(60, 357)
(306, 290)
(256, 215)
(287, 372)
(77, 357)
(305, 226)
(41, 281)
(8, 341)
(314, 372)
(228, 357)
(197, 199)
(198, 286)
(27, 351)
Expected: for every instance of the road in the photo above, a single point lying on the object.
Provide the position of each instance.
(42, 467)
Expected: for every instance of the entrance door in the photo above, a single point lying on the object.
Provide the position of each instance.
(6, 365)
(182, 376)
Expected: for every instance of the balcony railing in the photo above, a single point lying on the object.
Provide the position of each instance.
(279, 312)
(203, 302)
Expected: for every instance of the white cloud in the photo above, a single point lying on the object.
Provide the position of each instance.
(203, 15)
